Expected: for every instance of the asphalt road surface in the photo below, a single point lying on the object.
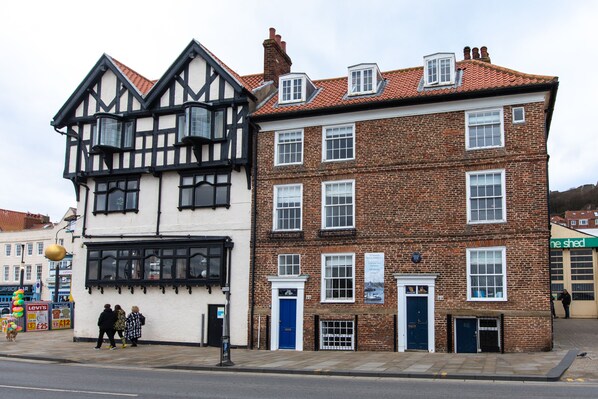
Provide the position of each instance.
(44, 380)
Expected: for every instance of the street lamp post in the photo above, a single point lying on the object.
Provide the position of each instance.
(22, 270)
(56, 253)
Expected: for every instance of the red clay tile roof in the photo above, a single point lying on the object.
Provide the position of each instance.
(15, 221)
(139, 81)
(403, 84)
(576, 215)
(253, 81)
(144, 85)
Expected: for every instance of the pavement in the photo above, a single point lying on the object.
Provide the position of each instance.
(572, 337)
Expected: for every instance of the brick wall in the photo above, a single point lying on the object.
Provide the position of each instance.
(410, 185)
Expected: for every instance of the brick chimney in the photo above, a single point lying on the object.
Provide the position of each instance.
(276, 60)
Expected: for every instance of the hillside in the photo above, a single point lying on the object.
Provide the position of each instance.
(575, 199)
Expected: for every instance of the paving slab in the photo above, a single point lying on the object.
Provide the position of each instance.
(59, 346)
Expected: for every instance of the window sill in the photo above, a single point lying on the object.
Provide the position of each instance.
(286, 235)
(351, 232)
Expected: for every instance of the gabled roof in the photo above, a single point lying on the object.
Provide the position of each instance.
(403, 87)
(126, 75)
(146, 90)
(196, 48)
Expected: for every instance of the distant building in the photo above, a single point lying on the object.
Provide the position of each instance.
(580, 220)
(558, 220)
(23, 240)
(573, 265)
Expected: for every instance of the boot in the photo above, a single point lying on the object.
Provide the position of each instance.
(124, 342)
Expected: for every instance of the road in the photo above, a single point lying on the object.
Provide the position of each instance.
(45, 380)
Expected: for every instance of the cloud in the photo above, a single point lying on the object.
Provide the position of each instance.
(47, 53)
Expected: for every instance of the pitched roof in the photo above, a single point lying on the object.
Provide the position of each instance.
(139, 81)
(404, 84)
(576, 215)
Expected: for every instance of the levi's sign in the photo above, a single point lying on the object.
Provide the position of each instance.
(568, 243)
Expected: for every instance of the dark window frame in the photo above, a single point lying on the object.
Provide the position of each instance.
(125, 130)
(131, 264)
(218, 133)
(107, 186)
(199, 181)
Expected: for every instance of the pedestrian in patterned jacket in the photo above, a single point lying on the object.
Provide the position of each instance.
(133, 325)
(119, 326)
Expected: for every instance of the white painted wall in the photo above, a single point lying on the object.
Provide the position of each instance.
(170, 316)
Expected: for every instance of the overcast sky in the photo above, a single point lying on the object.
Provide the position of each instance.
(47, 48)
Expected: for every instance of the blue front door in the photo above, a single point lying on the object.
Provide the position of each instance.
(288, 322)
(466, 331)
(417, 322)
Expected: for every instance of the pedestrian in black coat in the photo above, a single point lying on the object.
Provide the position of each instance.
(106, 324)
(565, 298)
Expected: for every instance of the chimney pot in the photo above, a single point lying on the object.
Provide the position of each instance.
(283, 44)
(476, 53)
(467, 53)
(272, 33)
(485, 56)
(278, 39)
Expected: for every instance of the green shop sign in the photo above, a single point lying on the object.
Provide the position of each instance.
(567, 243)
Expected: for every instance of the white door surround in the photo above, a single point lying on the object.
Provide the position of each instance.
(287, 282)
(414, 279)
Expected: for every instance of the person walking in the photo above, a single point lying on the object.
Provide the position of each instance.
(120, 324)
(554, 316)
(133, 325)
(565, 298)
(106, 324)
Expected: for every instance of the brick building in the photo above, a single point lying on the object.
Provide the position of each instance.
(403, 210)
(582, 219)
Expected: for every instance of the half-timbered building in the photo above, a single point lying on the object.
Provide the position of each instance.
(404, 210)
(162, 181)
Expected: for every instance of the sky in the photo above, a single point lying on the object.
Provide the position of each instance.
(48, 47)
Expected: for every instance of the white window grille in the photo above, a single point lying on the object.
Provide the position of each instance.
(339, 143)
(338, 281)
(287, 207)
(484, 129)
(486, 200)
(288, 265)
(338, 204)
(486, 274)
(289, 147)
(337, 335)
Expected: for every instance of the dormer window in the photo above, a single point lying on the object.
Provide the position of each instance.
(112, 133)
(363, 79)
(439, 69)
(201, 124)
(295, 87)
